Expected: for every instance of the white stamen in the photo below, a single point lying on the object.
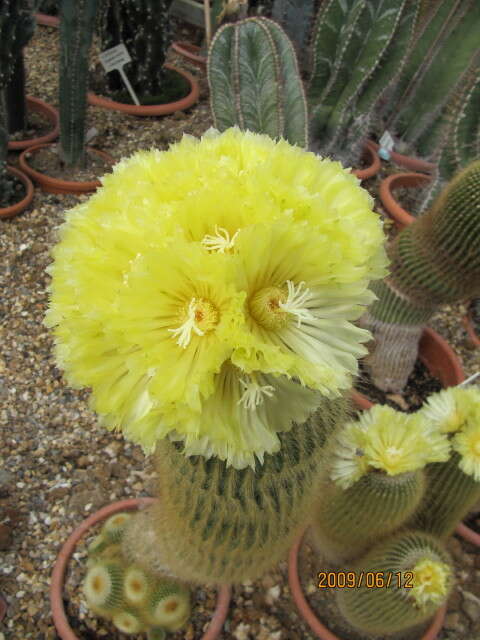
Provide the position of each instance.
(253, 395)
(295, 301)
(393, 452)
(185, 330)
(220, 241)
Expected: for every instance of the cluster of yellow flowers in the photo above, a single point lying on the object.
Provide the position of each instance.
(207, 293)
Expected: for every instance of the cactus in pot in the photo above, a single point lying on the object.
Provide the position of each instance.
(216, 329)
(435, 261)
(76, 32)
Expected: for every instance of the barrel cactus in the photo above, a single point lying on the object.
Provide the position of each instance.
(255, 83)
(434, 261)
(376, 480)
(414, 577)
(216, 328)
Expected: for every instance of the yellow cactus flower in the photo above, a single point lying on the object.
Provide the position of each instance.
(206, 293)
(467, 444)
(430, 582)
(349, 462)
(448, 409)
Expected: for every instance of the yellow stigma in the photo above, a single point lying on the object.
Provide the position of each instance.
(272, 307)
(430, 580)
(221, 241)
(254, 393)
(199, 317)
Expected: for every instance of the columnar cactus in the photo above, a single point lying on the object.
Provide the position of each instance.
(296, 17)
(375, 480)
(412, 577)
(144, 28)
(215, 524)
(76, 31)
(255, 83)
(434, 261)
(131, 597)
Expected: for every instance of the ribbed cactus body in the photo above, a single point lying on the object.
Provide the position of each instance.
(386, 610)
(255, 83)
(215, 524)
(434, 261)
(76, 31)
(348, 521)
(144, 28)
(450, 495)
(295, 17)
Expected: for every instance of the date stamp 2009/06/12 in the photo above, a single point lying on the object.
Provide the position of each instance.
(368, 579)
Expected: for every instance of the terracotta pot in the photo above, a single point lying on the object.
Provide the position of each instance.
(400, 216)
(18, 207)
(408, 162)
(468, 534)
(58, 576)
(46, 20)
(474, 338)
(57, 185)
(51, 114)
(373, 161)
(439, 358)
(154, 109)
(319, 629)
(191, 53)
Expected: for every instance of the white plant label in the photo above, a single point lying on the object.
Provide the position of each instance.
(115, 58)
(386, 141)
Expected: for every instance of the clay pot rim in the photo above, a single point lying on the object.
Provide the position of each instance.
(47, 21)
(21, 205)
(433, 339)
(374, 166)
(58, 575)
(468, 534)
(409, 162)
(467, 321)
(38, 106)
(152, 110)
(190, 52)
(401, 216)
(57, 185)
(319, 629)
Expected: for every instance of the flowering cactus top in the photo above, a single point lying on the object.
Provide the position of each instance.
(206, 293)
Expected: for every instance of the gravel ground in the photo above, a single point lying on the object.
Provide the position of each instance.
(57, 466)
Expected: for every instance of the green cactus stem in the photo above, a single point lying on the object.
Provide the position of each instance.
(76, 31)
(348, 521)
(215, 524)
(296, 18)
(450, 495)
(103, 585)
(434, 261)
(254, 81)
(421, 578)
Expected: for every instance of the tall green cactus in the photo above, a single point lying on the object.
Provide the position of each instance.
(76, 31)
(254, 81)
(414, 577)
(215, 524)
(295, 17)
(434, 261)
(144, 28)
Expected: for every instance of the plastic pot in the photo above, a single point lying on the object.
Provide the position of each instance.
(318, 628)
(374, 164)
(408, 162)
(57, 185)
(400, 216)
(46, 20)
(18, 207)
(51, 114)
(58, 576)
(154, 109)
(191, 53)
(439, 358)
(473, 337)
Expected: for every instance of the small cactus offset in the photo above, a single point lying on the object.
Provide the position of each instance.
(76, 31)
(132, 598)
(434, 261)
(376, 480)
(215, 524)
(144, 28)
(414, 577)
(255, 83)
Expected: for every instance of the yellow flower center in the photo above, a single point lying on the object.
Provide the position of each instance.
(199, 316)
(273, 308)
(430, 580)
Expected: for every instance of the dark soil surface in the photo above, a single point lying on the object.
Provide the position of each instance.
(474, 310)
(48, 162)
(419, 386)
(37, 125)
(15, 192)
